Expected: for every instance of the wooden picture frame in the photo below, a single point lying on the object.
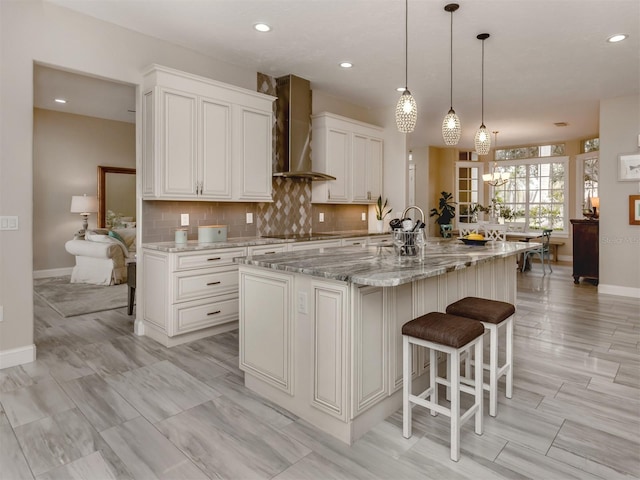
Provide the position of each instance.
(629, 167)
(634, 209)
(102, 189)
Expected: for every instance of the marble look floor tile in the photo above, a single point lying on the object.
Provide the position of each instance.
(313, 467)
(618, 454)
(55, 337)
(147, 454)
(91, 330)
(61, 363)
(539, 466)
(628, 375)
(615, 389)
(58, 440)
(198, 364)
(161, 390)
(232, 387)
(221, 347)
(34, 402)
(117, 356)
(91, 467)
(226, 440)
(13, 465)
(101, 404)
(14, 378)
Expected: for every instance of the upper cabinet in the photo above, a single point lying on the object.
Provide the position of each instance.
(351, 151)
(204, 140)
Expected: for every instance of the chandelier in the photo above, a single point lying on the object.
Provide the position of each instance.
(406, 109)
(451, 129)
(496, 178)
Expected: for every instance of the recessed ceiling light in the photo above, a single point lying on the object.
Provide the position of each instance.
(262, 27)
(400, 89)
(618, 37)
(60, 100)
(346, 64)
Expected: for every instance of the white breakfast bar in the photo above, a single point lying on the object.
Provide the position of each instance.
(320, 331)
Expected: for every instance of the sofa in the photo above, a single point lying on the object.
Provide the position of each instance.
(102, 256)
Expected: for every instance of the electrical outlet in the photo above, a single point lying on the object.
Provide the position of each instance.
(184, 219)
(9, 223)
(302, 303)
(364, 217)
(1, 313)
(249, 217)
(321, 217)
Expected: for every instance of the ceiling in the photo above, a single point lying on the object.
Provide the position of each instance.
(546, 61)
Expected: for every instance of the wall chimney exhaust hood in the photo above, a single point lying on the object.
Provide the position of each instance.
(293, 130)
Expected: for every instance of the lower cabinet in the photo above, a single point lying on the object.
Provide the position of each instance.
(189, 295)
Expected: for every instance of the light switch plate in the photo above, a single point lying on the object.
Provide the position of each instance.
(302, 303)
(9, 223)
(184, 219)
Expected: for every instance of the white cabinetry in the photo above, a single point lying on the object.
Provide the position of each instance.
(352, 152)
(189, 295)
(321, 244)
(204, 140)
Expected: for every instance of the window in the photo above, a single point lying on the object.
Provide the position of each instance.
(587, 165)
(535, 193)
(468, 189)
(530, 152)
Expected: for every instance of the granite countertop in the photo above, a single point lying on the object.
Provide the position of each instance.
(380, 266)
(193, 245)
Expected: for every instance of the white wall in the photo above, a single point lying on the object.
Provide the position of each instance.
(619, 241)
(32, 31)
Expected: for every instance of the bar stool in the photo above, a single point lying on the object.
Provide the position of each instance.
(493, 314)
(452, 335)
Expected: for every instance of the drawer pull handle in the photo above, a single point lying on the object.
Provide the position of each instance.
(357, 243)
(214, 313)
(214, 258)
(269, 253)
(213, 283)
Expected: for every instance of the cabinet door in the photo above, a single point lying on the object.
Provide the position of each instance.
(374, 169)
(253, 154)
(177, 144)
(359, 167)
(149, 171)
(338, 161)
(369, 349)
(214, 149)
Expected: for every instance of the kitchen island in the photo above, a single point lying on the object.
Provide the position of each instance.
(320, 331)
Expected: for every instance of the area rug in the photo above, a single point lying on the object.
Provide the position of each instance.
(71, 299)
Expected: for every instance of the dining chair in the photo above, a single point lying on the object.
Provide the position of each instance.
(465, 229)
(542, 251)
(495, 232)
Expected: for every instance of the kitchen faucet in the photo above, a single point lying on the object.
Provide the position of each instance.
(414, 207)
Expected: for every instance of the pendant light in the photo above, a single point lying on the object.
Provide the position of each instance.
(482, 140)
(406, 109)
(495, 178)
(451, 130)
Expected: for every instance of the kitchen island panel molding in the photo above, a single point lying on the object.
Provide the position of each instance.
(267, 348)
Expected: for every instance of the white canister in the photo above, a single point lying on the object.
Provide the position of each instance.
(181, 236)
(212, 233)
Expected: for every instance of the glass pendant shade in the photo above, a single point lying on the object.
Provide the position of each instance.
(482, 141)
(406, 113)
(451, 129)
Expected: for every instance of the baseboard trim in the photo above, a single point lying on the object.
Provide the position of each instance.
(17, 356)
(52, 272)
(618, 290)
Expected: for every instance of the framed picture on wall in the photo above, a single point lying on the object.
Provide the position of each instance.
(629, 167)
(634, 209)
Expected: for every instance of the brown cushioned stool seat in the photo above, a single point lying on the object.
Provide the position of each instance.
(482, 309)
(493, 314)
(444, 329)
(452, 335)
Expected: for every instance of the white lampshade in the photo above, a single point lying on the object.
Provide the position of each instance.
(84, 204)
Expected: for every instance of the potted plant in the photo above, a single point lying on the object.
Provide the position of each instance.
(445, 212)
(381, 212)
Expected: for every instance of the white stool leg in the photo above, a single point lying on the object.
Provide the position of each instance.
(493, 369)
(433, 370)
(406, 386)
(448, 390)
(509, 360)
(455, 405)
(479, 387)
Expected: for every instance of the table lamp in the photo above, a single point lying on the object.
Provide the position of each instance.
(85, 206)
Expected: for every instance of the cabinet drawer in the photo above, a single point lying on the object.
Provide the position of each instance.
(212, 281)
(266, 249)
(200, 314)
(210, 258)
(354, 242)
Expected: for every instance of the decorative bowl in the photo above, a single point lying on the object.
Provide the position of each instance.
(468, 241)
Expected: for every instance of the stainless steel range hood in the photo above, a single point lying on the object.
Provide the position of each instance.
(293, 130)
